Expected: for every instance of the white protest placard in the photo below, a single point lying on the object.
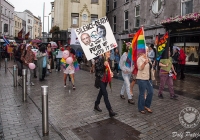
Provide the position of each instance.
(59, 55)
(74, 38)
(96, 38)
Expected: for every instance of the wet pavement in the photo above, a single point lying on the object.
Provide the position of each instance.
(71, 114)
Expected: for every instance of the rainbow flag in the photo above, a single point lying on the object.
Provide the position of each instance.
(161, 46)
(138, 46)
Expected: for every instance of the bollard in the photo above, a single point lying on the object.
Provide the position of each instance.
(14, 75)
(45, 112)
(5, 64)
(24, 86)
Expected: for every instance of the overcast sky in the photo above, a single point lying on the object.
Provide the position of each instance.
(36, 7)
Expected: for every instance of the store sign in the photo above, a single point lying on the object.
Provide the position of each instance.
(186, 29)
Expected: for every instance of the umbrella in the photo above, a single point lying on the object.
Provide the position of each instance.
(36, 41)
(53, 44)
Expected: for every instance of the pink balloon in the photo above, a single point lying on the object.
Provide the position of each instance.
(65, 54)
(31, 66)
(69, 60)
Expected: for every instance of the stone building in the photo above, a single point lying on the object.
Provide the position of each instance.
(180, 18)
(69, 14)
(7, 19)
(29, 18)
(37, 28)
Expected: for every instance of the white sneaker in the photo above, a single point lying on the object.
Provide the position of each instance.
(32, 84)
(27, 83)
(56, 70)
(64, 85)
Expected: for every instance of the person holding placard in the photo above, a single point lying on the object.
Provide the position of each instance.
(104, 74)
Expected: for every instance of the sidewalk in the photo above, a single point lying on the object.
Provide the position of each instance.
(71, 113)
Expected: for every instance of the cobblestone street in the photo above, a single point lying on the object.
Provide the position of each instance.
(72, 109)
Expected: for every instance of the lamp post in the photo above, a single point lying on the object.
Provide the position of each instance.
(43, 22)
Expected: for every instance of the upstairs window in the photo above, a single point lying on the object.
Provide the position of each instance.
(156, 6)
(94, 1)
(186, 6)
(125, 20)
(137, 16)
(94, 17)
(114, 4)
(107, 5)
(75, 19)
(114, 24)
(73, 1)
(126, 1)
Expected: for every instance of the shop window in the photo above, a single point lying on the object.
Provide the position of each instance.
(75, 19)
(192, 55)
(137, 16)
(114, 4)
(125, 20)
(114, 24)
(94, 17)
(186, 7)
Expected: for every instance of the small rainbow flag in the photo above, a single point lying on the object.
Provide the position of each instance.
(129, 57)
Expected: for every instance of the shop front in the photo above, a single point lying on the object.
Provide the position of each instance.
(186, 35)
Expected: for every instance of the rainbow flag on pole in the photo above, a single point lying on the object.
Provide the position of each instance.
(138, 46)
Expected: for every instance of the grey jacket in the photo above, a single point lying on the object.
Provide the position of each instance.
(123, 66)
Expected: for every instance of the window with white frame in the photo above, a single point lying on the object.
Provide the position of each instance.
(1, 9)
(5, 11)
(114, 24)
(107, 5)
(94, 17)
(75, 19)
(137, 16)
(114, 4)
(186, 7)
(125, 20)
(156, 6)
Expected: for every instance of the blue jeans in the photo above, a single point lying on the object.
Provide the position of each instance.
(103, 92)
(144, 85)
(126, 85)
(58, 63)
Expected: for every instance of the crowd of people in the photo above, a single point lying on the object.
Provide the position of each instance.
(44, 57)
(104, 67)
